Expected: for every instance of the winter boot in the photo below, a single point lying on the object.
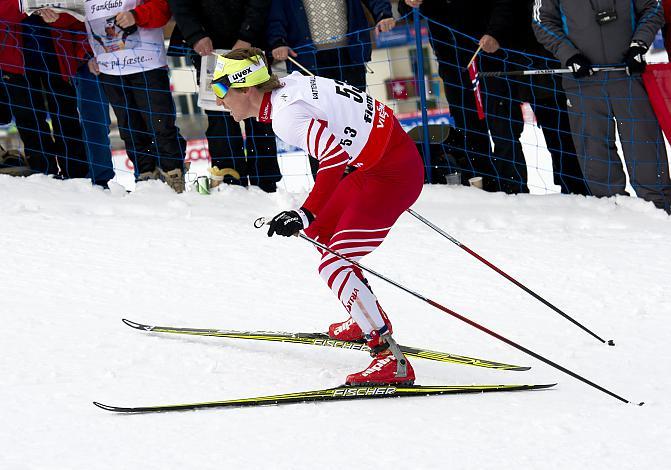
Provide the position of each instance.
(173, 178)
(14, 163)
(348, 330)
(147, 176)
(389, 366)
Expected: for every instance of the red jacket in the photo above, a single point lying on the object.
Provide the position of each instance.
(152, 14)
(70, 42)
(11, 59)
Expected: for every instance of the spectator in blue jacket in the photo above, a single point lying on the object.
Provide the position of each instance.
(331, 37)
(328, 37)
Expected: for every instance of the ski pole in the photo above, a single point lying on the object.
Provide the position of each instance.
(520, 73)
(261, 221)
(510, 278)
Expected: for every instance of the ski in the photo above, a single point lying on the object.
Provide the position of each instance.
(322, 339)
(341, 393)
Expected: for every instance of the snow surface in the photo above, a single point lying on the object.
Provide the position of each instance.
(77, 259)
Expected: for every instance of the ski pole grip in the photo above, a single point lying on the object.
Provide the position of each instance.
(260, 222)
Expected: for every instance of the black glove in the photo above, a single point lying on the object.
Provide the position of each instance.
(580, 65)
(634, 59)
(288, 223)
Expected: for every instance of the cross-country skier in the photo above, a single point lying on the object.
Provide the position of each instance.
(369, 173)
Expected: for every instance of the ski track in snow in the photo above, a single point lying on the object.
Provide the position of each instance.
(77, 259)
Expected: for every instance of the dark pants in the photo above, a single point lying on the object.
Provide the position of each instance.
(593, 104)
(227, 149)
(254, 157)
(95, 117)
(145, 112)
(30, 117)
(50, 93)
(506, 123)
(470, 144)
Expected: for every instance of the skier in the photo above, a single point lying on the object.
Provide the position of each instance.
(369, 173)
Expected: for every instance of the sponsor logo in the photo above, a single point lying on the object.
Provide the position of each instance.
(240, 75)
(382, 115)
(313, 87)
(264, 116)
(364, 391)
(370, 107)
(334, 343)
(378, 366)
(345, 326)
(352, 299)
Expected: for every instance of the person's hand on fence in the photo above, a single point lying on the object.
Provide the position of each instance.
(580, 65)
(282, 52)
(413, 3)
(93, 66)
(48, 15)
(489, 44)
(240, 44)
(203, 46)
(634, 58)
(385, 25)
(125, 19)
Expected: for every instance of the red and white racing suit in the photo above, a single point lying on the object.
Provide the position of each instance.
(342, 126)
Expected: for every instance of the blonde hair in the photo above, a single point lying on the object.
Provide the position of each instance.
(250, 53)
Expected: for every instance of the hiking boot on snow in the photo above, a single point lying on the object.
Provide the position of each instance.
(147, 176)
(173, 178)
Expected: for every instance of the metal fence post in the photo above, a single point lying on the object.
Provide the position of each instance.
(422, 91)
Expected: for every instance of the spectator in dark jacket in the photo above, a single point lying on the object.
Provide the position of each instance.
(452, 25)
(545, 95)
(205, 25)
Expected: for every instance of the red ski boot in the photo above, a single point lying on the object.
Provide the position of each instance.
(390, 366)
(348, 330)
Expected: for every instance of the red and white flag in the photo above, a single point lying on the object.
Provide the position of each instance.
(473, 73)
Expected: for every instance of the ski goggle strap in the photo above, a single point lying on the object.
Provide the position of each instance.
(231, 73)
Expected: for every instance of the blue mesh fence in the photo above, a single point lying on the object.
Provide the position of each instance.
(524, 139)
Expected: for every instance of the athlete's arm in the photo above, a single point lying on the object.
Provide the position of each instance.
(297, 125)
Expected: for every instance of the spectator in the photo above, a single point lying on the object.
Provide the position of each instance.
(40, 90)
(581, 34)
(92, 102)
(230, 24)
(488, 21)
(545, 95)
(130, 59)
(332, 37)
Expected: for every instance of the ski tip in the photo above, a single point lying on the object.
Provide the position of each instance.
(546, 385)
(520, 368)
(132, 324)
(104, 407)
